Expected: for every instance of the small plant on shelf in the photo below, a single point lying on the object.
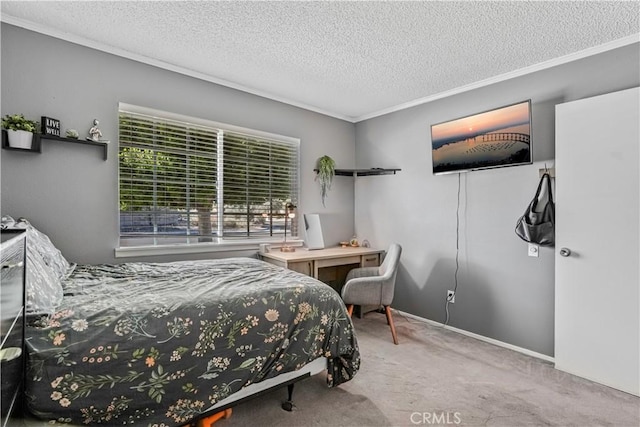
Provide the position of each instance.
(326, 172)
(20, 130)
(19, 122)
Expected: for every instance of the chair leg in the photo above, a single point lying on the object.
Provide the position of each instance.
(387, 310)
(350, 309)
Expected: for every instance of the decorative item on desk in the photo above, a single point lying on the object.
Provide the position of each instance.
(72, 133)
(326, 172)
(354, 242)
(344, 244)
(290, 213)
(50, 126)
(20, 130)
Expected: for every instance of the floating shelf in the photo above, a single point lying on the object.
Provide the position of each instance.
(36, 147)
(104, 145)
(364, 172)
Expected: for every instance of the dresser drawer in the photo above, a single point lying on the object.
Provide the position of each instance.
(11, 365)
(12, 357)
(11, 280)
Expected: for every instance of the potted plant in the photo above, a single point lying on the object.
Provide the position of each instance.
(20, 130)
(326, 172)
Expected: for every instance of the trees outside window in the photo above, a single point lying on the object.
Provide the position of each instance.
(181, 182)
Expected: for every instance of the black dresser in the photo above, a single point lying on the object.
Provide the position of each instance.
(12, 350)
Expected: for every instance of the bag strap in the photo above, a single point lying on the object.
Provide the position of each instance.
(536, 198)
(549, 187)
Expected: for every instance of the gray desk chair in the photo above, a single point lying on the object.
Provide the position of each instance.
(374, 285)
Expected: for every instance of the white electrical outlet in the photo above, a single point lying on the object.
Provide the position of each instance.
(534, 249)
(451, 297)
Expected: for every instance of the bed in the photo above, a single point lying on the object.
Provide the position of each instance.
(161, 344)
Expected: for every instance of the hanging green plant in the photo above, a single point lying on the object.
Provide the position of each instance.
(326, 172)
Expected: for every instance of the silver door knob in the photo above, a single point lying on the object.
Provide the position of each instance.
(565, 252)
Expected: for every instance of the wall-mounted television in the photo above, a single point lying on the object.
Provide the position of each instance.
(491, 139)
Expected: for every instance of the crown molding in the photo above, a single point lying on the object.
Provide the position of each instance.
(625, 41)
(83, 41)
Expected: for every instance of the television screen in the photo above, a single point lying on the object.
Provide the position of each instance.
(495, 138)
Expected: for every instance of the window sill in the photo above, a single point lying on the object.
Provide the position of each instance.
(195, 248)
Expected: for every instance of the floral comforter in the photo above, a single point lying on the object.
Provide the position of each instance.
(158, 344)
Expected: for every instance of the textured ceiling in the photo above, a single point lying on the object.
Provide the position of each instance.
(352, 60)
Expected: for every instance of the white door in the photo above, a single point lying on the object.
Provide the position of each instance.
(597, 321)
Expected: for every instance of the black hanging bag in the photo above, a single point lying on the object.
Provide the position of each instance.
(537, 225)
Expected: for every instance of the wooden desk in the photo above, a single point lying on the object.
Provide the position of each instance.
(314, 263)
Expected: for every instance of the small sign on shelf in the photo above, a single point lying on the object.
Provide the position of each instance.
(50, 126)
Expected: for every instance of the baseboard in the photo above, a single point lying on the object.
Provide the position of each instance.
(631, 391)
(480, 337)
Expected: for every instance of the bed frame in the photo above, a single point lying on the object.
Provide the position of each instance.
(222, 409)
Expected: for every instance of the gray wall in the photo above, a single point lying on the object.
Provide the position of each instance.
(71, 194)
(502, 293)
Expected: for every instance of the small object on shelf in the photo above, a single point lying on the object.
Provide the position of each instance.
(50, 126)
(344, 244)
(72, 133)
(94, 133)
(354, 242)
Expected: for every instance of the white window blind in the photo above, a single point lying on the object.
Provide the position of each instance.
(190, 181)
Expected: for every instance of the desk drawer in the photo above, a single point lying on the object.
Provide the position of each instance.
(331, 262)
(372, 260)
(304, 267)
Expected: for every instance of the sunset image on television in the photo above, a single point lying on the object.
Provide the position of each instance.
(500, 137)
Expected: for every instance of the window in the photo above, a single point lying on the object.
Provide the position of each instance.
(185, 180)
